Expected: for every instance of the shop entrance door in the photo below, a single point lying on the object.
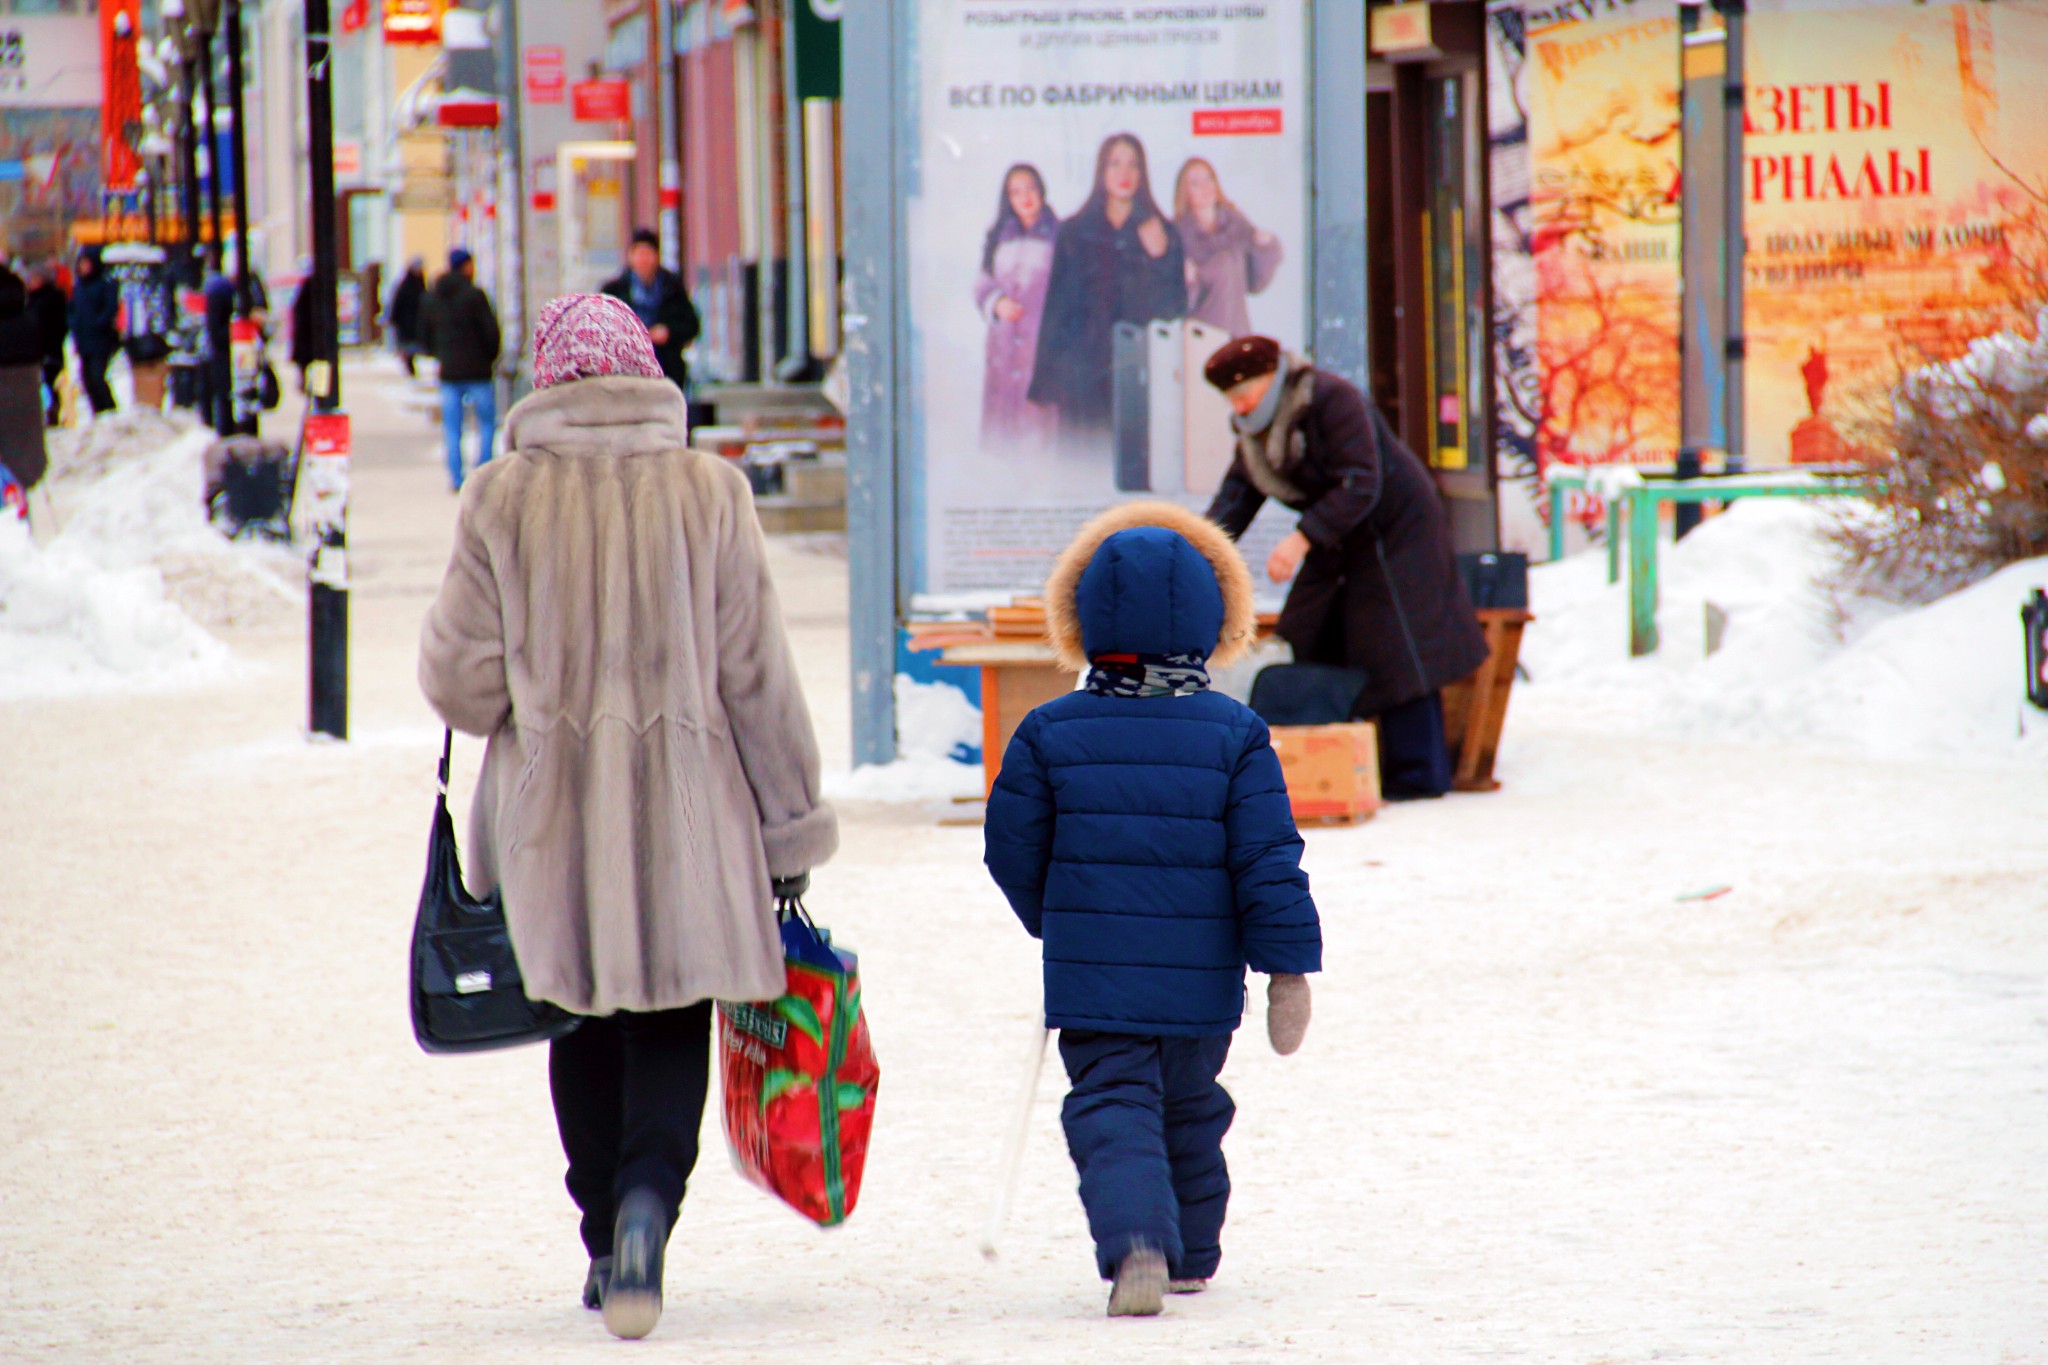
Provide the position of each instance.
(1428, 269)
(590, 216)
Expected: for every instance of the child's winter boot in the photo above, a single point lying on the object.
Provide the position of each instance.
(1139, 1290)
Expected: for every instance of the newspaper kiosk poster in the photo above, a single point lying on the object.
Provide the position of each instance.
(1103, 195)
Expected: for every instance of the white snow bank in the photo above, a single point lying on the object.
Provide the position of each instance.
(935, 724)
(1799, 663)
(117, 597)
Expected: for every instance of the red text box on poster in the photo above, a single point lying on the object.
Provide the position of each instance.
(606, 101)
(1236, 122)
(327, 435)
(547, 75)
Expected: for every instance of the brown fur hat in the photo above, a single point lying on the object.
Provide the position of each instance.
(1062, 614)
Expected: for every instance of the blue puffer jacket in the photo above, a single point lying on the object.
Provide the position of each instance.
(1148, 840)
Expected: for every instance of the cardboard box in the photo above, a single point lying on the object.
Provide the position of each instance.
(1332, 771)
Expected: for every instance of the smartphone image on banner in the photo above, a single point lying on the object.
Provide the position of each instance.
(1130, 409)
(1166, 361)
(1211, 441)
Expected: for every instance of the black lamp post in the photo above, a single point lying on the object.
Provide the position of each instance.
(327, 595)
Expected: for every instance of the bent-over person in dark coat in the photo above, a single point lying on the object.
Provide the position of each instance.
(1141, 828)
(1376, 583)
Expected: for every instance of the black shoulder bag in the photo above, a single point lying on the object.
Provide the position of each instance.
(467, 994)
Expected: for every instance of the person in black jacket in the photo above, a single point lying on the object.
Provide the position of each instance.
(1376, 583)
(1118, 259)
(50, 308)
(95, 306)
(657, 297)
(21, 384)
(403, 314)
(459, 326)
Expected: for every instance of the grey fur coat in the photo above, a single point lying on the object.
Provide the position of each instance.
(608, 621)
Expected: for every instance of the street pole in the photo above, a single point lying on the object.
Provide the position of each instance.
(213, 248)
(1735, 274)
(188, 170)
(327, 572)
(796, 312)
(247, 407)
(511, 178)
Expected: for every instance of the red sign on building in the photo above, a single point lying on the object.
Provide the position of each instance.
(547, 75)
(606, 101)
(412, 21)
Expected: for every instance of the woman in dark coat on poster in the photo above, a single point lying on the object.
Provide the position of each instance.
(1376, 583)
(1116, 260)
(1016, 266)
(21, 384)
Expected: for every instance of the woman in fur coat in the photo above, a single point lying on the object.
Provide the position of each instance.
(651, 779)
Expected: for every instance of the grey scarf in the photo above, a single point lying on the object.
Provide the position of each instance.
(1271, 448)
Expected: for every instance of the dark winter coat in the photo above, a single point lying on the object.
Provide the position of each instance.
(404, 313)
(672, 310)
(1148, 840)
(1101, 276)
(1379, 590)
(21, 384)
(460, 329)
(302, 326)
(52, 310)
(95, 305)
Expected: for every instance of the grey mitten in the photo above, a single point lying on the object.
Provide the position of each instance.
(1286, 1011)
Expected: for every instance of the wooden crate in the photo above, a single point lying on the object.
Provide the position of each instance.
(1476, 708)
(1332, 771)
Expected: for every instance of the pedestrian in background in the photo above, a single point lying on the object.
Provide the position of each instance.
(50, 307)
(21, 384)
(403, 313)
(303, 352)
(639, 815)
(657, 297)
(1140, 828)
(95, 333)
(460, 328)
(1376, 584)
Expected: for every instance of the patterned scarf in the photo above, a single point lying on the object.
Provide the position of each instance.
(1147, 675)
(588, 336)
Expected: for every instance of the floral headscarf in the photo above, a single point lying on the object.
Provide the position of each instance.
(588, 336)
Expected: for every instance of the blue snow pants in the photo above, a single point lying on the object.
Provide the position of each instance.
(1145, 1122)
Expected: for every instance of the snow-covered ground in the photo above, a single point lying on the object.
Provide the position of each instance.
(1554, 1105)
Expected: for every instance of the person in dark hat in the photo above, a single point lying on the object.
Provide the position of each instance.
(1376, 584)
(460, 328)
(657, 297)
(95, 308)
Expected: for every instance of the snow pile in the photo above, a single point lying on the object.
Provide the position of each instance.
(1799, 663)
(121, 596)
(935, 727)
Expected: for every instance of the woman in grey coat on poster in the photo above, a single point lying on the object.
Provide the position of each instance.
(1016, 264)
(1229, 259)
(651, 780)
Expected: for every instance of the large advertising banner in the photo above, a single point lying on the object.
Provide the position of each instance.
(1894, 200)
(1105, 194)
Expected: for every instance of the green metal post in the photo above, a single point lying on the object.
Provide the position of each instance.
(1642, 572)
(1614, 509)
(1556, 523)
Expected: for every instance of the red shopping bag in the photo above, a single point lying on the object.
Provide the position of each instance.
(799, 1078)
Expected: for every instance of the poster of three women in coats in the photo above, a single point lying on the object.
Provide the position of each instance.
(1052, 289)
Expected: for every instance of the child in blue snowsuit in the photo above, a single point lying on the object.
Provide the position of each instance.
(1141, 828)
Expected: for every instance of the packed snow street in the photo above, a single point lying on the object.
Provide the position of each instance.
(1560, 1100)
(903, 682)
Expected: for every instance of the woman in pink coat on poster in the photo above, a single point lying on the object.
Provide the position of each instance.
(1016, 262)
(1228, 258)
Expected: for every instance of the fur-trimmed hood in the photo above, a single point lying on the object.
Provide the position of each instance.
(1068, 620)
